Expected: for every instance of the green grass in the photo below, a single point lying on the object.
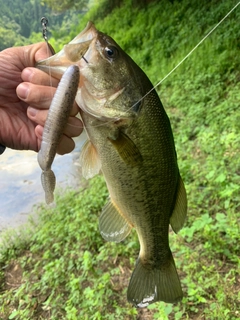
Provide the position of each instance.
(63, 269)
(72, 271)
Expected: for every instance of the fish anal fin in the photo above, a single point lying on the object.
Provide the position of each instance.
(89, 160)
(179, 213)
(148, 285)
(112, 224)
(127, 149)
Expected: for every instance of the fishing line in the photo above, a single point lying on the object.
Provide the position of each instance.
(199, 43)
(164, 78)
(44, 23)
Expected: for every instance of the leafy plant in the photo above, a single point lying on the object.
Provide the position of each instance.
(68, 272)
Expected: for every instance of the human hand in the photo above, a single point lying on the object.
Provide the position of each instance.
(24, 105)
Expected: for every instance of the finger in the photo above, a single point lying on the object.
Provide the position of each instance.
(44, 51)
(39, 97)
(40, 101)
(30, 54)
(39, 77)
(35, 95)
(66, 144)
(73, 128)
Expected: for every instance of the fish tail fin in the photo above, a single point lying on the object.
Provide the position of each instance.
(48, 182)
(148, 285)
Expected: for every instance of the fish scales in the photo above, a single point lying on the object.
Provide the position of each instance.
(140, 183)
(130, 141)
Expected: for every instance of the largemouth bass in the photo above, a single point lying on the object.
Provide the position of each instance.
(131, 143)
(57, 118)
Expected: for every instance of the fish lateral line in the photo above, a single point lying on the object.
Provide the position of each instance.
(135, 172)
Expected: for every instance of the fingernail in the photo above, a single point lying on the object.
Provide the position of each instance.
(23, 90)
(31, 111)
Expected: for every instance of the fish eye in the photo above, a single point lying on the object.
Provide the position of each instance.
(111, 52)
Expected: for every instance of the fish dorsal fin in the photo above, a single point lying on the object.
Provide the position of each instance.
(89, 160)
(112, 225)
(180, 210)
(127, 149)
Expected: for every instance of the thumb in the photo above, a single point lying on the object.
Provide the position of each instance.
(35, 52)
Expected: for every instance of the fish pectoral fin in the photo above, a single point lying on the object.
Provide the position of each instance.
(89, 160)
(127, 150)
(178, 216)
(112, 225)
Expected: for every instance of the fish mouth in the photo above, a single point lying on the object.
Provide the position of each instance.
(71, 53)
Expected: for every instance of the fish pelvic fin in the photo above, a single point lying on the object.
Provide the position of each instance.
(112, 224)
(89, 160)
(179, 213)
(48, 182)
(157, 284)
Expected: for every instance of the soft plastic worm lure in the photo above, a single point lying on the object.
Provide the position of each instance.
(57, 118)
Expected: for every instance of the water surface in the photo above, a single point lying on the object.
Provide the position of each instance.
(20, 182)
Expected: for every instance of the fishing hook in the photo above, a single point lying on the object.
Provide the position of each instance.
(44, 23)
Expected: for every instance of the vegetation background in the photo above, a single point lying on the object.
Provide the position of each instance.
(59, 267)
